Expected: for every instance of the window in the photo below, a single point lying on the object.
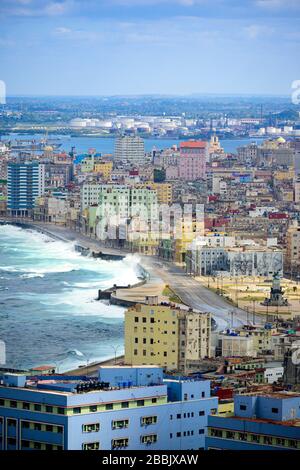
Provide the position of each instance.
(11, 422)
(268, 440)
(125, 404)
(154, 400)
(49, 409)
(150, 439)
(93, 408)
(76, 411)
(243, 407)
(147, 420)
(61, 411)
(120, 424)
(1, 402)
(37, 407)
(140, 402)
(11, 441)
(202, 413)
(229, 435)
(94, 427)
(274, 410)
(25, 424)
(91, 446)
(216, 432)
(293, 444)
(242, 436)
(178, 434)
(178, 416)
(201, 431)
(109, 406)
(117, 443)
(49, 428)
(37, 427)
(13, 404)
(26, 406)
(37, 445)
(25, 444)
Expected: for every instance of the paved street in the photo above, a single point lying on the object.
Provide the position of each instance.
(196, 295)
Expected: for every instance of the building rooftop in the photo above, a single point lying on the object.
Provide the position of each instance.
(193, 144)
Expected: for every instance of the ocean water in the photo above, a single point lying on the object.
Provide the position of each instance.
(47, 301)
(107, 144)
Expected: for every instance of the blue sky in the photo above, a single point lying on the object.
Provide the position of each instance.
(110, 47)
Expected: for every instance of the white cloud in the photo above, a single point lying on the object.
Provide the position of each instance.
(254, 31)
(33, 8)
(278, 4)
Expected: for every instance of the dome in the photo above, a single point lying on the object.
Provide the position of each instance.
(281, 140)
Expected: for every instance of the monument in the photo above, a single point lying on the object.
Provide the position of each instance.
(276, 298)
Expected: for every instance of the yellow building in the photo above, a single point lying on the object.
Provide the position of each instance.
(103, 167)
(166, 335)
(185, 233)
(225, 407)
(284, 175)
(164, 191)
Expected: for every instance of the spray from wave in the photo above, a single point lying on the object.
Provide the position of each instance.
(48, 293)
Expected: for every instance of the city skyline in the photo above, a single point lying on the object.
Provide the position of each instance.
(83, 48)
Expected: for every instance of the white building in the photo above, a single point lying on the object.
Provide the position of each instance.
(273, 374)
(129, 149)
(90, 195)
(237, 346)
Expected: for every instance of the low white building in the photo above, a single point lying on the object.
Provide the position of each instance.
(273, 374)
(236, 346)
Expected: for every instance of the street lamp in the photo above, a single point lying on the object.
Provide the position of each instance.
(115, 348)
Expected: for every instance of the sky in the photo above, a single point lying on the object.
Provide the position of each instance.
(125, 47)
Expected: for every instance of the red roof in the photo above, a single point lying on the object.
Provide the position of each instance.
(200, 144)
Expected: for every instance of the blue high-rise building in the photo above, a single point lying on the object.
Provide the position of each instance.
(25, 182)
(128, 408)
(259, 422)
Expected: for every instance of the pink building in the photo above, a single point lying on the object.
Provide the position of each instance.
(192, 160)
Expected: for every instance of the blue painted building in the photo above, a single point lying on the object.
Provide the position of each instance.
(128, 408)
(25, 182)
(259, 422)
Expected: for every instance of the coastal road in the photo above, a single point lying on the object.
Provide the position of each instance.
(194, 294)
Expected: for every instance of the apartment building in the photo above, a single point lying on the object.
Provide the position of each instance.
(129, 149)
(166, 335)
(25, 183)
(192, 160)
(292, 258)
(125, 408)
(259, 422)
